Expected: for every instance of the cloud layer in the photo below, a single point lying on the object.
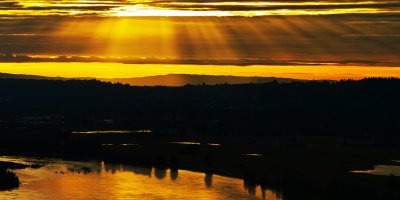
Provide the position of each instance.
(341, 32)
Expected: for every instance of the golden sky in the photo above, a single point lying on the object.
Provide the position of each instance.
(119, 70)
(278, 33)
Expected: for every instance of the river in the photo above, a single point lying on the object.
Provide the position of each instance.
(61, 179)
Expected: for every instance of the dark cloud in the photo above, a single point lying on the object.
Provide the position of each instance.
(270, 1)
(57, 7)
(10, 58)
(87, 8)
(100, 7)
(388, 5)
(9, 5)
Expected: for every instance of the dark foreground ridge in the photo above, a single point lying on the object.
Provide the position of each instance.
(367, 107)
(301, 138)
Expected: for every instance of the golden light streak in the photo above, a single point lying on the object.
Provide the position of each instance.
(288, 38)
(148, 11)
(123, 36)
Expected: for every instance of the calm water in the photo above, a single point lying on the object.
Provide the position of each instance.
(59, 179)
(383, 170)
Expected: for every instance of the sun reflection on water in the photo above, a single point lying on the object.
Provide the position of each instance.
(103, 181)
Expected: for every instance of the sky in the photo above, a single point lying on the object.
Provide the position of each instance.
(327, 34)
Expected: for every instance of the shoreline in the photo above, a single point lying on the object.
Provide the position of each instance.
(278, 169)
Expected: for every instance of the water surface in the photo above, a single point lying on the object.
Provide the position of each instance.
(383, 170)
(59, 179)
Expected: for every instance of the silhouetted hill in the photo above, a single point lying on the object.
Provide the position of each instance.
(165, 80)
(184, 79)
(24, 76)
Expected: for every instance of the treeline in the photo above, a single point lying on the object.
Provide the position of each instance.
(368, 107)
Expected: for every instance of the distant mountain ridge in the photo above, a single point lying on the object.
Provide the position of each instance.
(25, 76)
(165, 80)
(184, 79)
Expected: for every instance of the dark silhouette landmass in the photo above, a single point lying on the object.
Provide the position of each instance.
(8, 179)
(12, 58)
(12, 165)
(30, 77)
(185, 79)
(367, 107)
(300, 138)
(164, 80)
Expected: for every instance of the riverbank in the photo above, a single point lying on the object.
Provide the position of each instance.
(298, 167)
(8, 179)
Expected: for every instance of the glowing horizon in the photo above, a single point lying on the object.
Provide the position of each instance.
(118, 70)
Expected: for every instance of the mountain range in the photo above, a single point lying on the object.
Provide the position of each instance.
(164, 80)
